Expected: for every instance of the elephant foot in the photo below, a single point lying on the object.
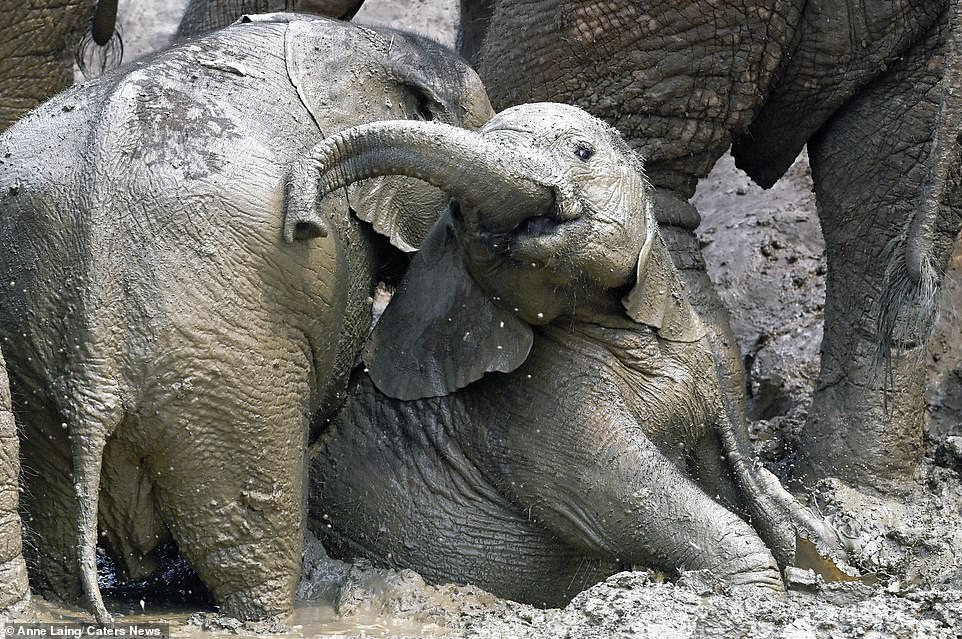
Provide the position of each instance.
(267, 602)
(755, 569)
(866, 433)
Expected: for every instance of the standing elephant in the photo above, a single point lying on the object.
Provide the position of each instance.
(202, 16)
(873, 89)
(540, 403)
(41, 42)
(169, 333)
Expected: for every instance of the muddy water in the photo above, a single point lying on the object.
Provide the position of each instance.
(334, 599)
(310, 619)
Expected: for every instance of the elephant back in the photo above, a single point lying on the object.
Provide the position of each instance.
(13, 572)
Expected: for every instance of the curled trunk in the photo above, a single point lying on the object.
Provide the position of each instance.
(478, 173)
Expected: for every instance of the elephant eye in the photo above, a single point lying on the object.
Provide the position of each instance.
(584, 152)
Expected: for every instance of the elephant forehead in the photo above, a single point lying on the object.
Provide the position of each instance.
(541, 116)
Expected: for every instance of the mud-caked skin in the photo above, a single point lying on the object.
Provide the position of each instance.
(540, 404)
(169, 331)
(872, 89)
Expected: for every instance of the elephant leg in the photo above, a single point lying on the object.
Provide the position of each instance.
(226, 459)
(620, 496)
(62, 480)
(871, 165)
(14, 592)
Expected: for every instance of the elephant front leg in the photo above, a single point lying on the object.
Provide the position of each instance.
(228, 467)
(595, 479)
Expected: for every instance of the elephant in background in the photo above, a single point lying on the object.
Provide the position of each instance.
(202, 16)
(169, 332)
(41, 42)
(540, 404)
(871, 88)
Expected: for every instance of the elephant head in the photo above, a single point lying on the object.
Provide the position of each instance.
(537, 191)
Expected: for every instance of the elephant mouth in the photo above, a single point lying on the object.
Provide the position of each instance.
(543, 223)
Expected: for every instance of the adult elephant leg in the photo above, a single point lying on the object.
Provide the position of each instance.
(475, 16)
(871, 166)
(14, 592)
(226, 458)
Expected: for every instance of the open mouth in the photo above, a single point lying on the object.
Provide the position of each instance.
(542, 224)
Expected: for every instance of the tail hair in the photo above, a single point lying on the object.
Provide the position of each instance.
(93, 59)
(906, 308)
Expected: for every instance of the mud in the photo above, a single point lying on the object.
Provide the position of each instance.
(764, 252)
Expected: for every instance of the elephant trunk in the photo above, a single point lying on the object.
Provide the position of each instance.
(478, 173)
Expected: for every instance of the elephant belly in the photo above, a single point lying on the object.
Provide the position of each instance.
(391, 484)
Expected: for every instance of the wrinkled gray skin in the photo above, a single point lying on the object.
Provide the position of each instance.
(169, 333)
(39, 43)
(202, 16)
(36, 62)
(541, 404)
(860, 83)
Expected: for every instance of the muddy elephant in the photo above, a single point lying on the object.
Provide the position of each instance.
(41, 42)
(540, 404)
(170, 333)
(871, 88)
(202, 16)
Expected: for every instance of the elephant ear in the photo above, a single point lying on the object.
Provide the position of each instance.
(441, 331)
(398, 211)
(658, 298)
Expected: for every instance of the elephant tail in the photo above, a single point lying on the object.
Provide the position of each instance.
(908, 302)
(101, 47)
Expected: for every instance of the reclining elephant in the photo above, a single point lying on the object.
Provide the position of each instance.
(874, 89)
(540, 403)
(169, 335)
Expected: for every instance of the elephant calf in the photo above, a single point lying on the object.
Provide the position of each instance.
(170, 334)
(541, 404)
